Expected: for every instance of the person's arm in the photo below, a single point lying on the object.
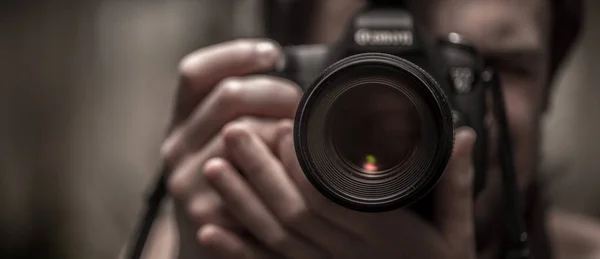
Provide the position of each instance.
(574, 236)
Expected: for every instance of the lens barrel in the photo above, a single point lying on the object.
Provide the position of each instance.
(374, 132)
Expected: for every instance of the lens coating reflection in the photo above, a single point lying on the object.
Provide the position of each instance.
(374, 127)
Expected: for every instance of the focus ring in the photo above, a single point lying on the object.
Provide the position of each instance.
(386, 192)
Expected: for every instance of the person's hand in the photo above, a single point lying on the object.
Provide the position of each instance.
(215, 91)
(285, 214)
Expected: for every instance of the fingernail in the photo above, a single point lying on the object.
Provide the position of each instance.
(236, 136)
(267, 54)
(288, 129)
(241, 139)
(465, 140)
(214, 164)
(289, 135)
(213, 168)
(285, 131)
(206, 233)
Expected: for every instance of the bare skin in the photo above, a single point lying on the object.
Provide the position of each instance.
(219, 130)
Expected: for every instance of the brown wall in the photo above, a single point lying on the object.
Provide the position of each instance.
(85, 93)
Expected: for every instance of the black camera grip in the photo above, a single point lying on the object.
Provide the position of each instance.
(468, 93)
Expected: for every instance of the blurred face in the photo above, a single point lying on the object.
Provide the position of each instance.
(512, 35)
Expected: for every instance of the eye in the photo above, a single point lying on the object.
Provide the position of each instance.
(520, 69)
(518, 65)
(517, 70)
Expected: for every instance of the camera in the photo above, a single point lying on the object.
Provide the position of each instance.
(374, 130)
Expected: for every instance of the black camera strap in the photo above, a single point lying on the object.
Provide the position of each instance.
(516, 238)
(152, 209)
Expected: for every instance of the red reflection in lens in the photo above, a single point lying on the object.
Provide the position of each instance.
(370, 167)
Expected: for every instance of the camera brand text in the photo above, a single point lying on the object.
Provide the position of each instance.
(367, 37)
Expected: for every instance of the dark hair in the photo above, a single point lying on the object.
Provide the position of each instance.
(566, 24)
(285, 22)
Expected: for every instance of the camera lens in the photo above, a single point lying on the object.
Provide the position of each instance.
(374, 132)
(373, 128)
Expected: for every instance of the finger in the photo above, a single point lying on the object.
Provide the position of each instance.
(354, 222)
(245, 205)
(264, 172)
(207, 208)
(251, 96)
(199, 200)
(229, 245)
(187, 177)
(277, 190)
(454, 199)
(202, 69)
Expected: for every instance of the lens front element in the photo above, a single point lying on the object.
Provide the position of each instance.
(373, 127)
(374, 132)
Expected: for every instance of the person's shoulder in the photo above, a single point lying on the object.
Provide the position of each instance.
(573, 235)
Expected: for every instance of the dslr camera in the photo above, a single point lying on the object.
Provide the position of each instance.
(374, 130)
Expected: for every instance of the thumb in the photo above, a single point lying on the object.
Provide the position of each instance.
(454, 199)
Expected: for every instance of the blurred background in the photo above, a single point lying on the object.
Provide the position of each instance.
(85, 94)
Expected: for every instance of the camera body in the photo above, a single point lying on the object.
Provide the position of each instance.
(384, 55)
